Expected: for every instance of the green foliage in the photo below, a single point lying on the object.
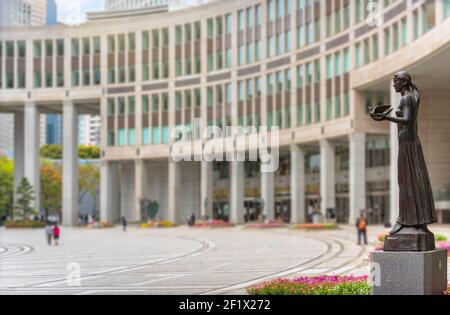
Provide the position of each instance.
(440, 238)
(55, 152)
(52, 151)
(25, 195)
(280, 288)
(88, 153)
(51, 185)
(88, 180)
(24, 224)
(6, 186)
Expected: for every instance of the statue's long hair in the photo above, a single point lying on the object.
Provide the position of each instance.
(406, 77)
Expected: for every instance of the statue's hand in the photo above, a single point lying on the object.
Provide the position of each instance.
(378, 117)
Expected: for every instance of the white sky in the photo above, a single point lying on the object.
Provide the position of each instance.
(74, 11)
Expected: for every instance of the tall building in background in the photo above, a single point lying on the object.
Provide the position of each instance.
(14, 13)
(22, 12)
(52, 12)
(89, 129)
(52, 123)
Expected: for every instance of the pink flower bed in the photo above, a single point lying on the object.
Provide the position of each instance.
(213, 224)
(318, 285)
(444, 245)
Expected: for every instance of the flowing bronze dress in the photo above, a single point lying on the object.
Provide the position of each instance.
(416, 195)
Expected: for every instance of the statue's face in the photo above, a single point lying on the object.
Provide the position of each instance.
(399, 84)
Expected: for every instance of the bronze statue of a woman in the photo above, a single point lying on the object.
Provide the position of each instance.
(417, 210)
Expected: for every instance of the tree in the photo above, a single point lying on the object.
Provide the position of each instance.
(88, 181)
(51, 184)
(25, 194)
(88, 152)
(55, 152)
(6, 187)
(52, 151)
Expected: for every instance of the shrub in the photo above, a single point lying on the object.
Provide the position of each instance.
(24, 224)
(157, 224)
(440, 238)
(213, 224)
(318, 226)
(321, 285)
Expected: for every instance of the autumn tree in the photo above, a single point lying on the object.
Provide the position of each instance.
(51, 185)
(6, 187)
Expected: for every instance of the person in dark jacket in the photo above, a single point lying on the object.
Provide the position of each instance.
(124, 224)
(361, 226)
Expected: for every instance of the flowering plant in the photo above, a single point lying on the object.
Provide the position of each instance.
(317, 226)
(157, 224)
(318, 285)
(213, 224)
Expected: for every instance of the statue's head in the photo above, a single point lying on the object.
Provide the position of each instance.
(402, 80)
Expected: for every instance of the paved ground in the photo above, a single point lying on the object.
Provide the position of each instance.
(174, 261)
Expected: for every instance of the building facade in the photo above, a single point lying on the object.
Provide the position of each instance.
(312, 68)
(17, 13)
(123, 5)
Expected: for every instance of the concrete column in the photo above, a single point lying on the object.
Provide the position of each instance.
(237, 192)
(140, 179)
(109, 193)
(439, 11)
(31, 150)
(327, 176)
(206, 194)
(394, 191)
(268, 194)
(173, 192)
(357, 180)
(18, 150)
(297, 184)
(70, 164)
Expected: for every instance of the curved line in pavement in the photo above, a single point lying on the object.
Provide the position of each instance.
(285, 272)
(206, 247)
(22, 250)
(295, 269)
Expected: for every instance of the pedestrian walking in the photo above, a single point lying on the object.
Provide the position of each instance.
(124, 224)
(361, 226)
(56, 233)
(49, 234)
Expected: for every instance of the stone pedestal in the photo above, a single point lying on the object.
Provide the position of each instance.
(409, 273)
(410, 239)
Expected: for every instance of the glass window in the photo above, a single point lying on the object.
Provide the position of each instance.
(329, 67)
(279, 8)
(229, 23)
(387, 41)
(250, 17)
(300, 76)
(338, 63)
(155, 135)
(258, 14)
(145, 136)
(347, 62)
(122, 139)
(131, 136)
(404, 32)
(271, 10)
(165, 134)
(229, 90)
(241, 20)
(145, 40)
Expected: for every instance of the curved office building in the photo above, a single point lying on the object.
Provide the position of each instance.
(312, 68)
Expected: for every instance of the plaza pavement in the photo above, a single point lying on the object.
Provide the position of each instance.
(175, 261)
